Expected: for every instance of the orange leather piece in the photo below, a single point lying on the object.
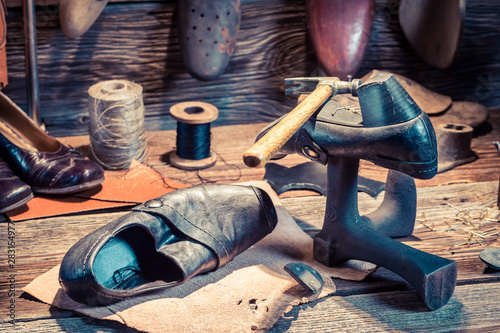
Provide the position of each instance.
(141, 183)
(3, 54)
(3, 68)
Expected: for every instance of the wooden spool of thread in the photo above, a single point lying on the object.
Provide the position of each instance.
(117, 129)
(193, 135)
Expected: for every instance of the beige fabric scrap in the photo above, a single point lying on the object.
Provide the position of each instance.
(248, 294)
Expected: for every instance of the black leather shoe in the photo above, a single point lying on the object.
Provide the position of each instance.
(40, 160)
(166, 241)
(390, 130)
(14, 193)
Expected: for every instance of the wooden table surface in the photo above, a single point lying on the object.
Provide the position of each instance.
(383, 302)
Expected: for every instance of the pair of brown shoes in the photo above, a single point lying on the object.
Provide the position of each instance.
(33, 161)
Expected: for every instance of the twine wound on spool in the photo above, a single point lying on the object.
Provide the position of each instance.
(117, 130)
(193, 135)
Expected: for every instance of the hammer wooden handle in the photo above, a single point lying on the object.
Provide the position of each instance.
(264, 149)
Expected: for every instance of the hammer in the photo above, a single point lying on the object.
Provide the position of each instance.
(320, 89)
(403, 141)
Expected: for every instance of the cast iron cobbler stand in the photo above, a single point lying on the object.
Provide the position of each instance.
(391, 131)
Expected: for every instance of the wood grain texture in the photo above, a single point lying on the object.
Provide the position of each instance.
(70, 323)
(384, 302)
(138, 41)
(41, 244)
(396, 311)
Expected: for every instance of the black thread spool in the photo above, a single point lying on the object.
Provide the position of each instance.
(193, 135)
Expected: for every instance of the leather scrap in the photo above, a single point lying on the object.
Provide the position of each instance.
(468, 113)
(311, 176)
(140, 183)
(3, 41)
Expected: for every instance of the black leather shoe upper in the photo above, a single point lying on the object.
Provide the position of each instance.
(61, 172)
(409, 147)
(390, 130)
(166, 241)
(39, 159)
(13, 192)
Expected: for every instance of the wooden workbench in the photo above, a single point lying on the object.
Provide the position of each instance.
(383, 302)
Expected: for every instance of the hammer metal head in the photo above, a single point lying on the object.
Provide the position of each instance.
(307, 85)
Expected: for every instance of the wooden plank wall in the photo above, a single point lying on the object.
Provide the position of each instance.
(137, 41)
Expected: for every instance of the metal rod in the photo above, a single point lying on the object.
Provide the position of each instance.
(30, 51)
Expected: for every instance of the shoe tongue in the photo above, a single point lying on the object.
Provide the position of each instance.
(385, 102)
(191, 257)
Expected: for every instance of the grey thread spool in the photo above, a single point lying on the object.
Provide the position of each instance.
(117, 130)
(191, 117)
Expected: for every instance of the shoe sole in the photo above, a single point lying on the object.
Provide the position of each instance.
(68, 190)
(17, 204)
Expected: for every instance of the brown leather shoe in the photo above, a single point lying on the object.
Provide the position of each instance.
(14, 193)
(39, 159)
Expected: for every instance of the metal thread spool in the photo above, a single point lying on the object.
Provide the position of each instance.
(193, 135)
(116, 123)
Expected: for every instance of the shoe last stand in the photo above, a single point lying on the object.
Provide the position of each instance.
(340, 137)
